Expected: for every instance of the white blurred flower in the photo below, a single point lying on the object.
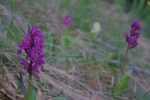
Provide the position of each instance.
(148, 3)
(96, 28)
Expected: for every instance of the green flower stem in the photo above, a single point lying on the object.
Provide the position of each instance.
(124, 63)
(122, 67)
(67, 46)
(29, 85)
(67, 39)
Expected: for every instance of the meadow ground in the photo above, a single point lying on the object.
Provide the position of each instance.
(80, 65)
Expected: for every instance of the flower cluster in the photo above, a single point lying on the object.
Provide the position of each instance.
(33, 45)
(67, 20)
(132, 39)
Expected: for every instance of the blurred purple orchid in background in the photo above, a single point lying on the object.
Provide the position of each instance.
(67, 20)
(132, 38)
(33, 45)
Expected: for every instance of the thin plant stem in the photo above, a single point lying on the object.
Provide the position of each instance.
(125, 60)
(122, 67)
(29, 85)
(30, 80)
(67, 47)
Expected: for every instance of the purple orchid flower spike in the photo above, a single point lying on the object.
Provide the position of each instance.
(132, 38)
(33, 45)
(67, 20)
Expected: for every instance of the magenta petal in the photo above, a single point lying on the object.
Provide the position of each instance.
(19, 51)
(136, 24)
(25, 63)
(127, 36)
